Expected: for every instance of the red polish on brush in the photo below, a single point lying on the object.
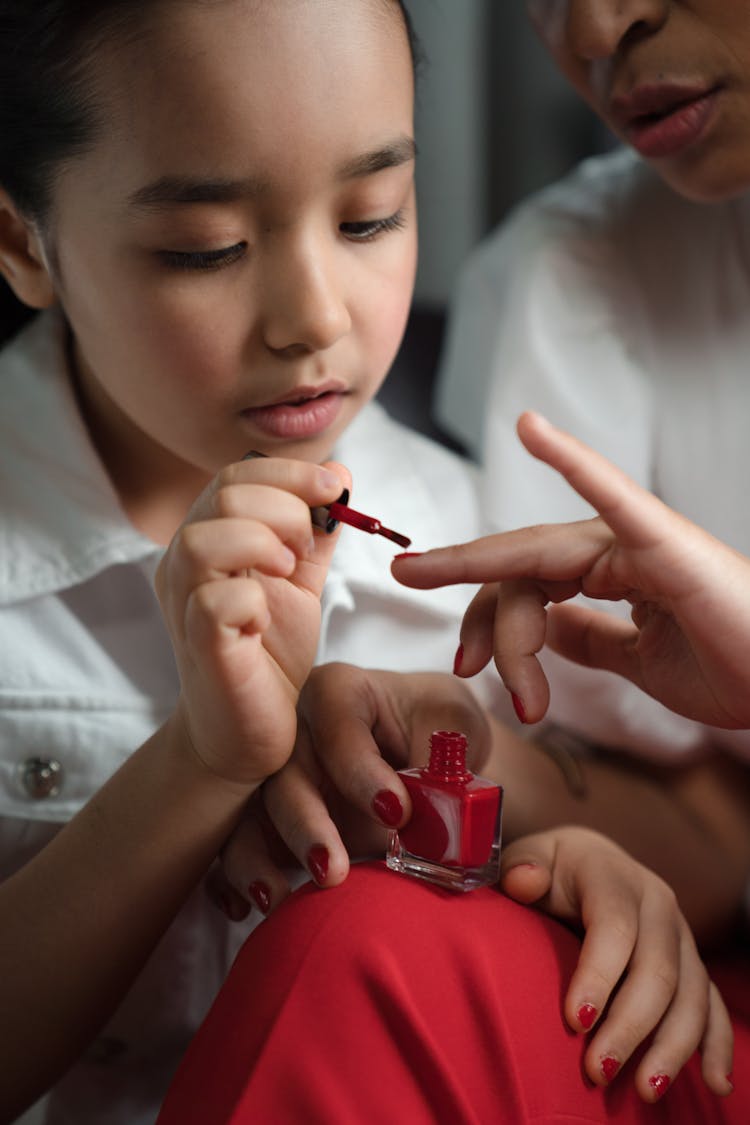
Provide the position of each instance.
(329, 516)
(366, 523)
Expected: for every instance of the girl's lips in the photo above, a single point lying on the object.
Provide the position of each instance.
(308, 417)
(668, 132)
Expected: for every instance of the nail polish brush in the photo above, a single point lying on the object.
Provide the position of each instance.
(329, 516)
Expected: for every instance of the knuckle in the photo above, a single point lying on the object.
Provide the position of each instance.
(226, 502)
(666, 974)
(630, 1033)
(188, 542)
(229, 475)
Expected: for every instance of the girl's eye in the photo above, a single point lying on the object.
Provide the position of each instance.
(367, 231)
(203, 259)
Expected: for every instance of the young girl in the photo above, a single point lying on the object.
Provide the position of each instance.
(213, 205)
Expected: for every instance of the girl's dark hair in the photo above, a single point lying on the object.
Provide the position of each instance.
(47, 104)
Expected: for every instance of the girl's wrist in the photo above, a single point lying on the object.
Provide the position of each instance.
(180, 741)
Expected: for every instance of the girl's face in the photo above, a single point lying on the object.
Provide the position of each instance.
(669, 77)
(236, 254)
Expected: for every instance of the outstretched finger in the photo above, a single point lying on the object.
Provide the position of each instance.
(635, 515)
(548, 552)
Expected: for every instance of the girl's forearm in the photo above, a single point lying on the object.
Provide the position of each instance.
(691, 825)
(81, 918)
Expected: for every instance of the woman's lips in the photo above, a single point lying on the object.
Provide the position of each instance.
(664, 121)
(297, 417)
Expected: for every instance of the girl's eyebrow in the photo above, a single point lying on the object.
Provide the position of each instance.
(400, 151)
(171, 191)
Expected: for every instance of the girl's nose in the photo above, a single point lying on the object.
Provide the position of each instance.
(305, 303)
(596, 29)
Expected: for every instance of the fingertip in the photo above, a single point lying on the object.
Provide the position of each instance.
(529, 422)
(526, 882)
(288, 561)
(584, 1016)
(718, 1079)
(327, 865)
(388, 808)
(518, 706)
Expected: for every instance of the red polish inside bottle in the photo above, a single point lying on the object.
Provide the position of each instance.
(453, 835)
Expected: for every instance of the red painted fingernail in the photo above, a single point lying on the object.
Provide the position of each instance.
(587, 1013)
(261, 896)
(388, 808)
(317, 862)
(518, 706)
(610, 1067)
(458, 660)
(660, 1084)
(408, 555)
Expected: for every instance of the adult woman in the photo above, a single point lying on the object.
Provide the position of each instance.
(615, 303)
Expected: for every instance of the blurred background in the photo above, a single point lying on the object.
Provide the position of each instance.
(495, 122)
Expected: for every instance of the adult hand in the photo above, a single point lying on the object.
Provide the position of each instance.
(690, 593)
(339, 794)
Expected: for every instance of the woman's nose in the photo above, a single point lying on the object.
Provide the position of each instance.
(305, 302)
(596, 29)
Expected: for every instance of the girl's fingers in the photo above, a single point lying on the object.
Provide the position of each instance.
(684, 1027)
(202, 549)
(313, 484)
(656, 973)
(220, 614)
(200, 553)
(526, 868)
(612, 928)
(254, 515)
(718, 1044)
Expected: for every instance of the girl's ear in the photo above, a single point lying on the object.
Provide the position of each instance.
(22, 260)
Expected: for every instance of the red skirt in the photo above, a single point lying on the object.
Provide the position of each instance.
(388, 1001)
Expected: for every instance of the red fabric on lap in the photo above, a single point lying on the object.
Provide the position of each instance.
(387, 1000)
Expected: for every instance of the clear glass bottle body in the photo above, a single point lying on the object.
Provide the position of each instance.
(453, 835)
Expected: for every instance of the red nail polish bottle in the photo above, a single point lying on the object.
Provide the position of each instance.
(453, 836)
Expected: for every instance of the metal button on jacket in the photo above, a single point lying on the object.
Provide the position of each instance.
(40, 777)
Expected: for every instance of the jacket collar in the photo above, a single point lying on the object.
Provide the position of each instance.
(61, 520)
